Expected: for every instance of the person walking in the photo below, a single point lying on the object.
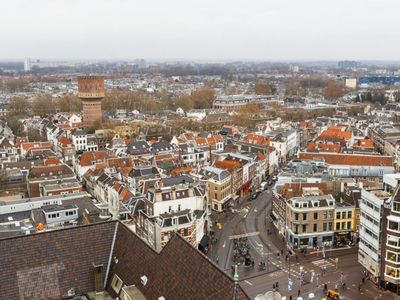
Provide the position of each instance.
(344, 285)
(273, 287)
(336, 289)
(325, 287)
(360, 287)
(298, 293)
(363, 280)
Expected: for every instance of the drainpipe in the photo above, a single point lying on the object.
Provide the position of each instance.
(111, 253)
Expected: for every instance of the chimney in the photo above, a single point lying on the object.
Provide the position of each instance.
(158, 195)
(173, 192)
(191, 190)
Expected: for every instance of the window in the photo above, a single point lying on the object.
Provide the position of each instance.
(358, 215)
(54, 216)
(296, 216)
(325, 215)
(315, 227)
(304, 217)
(393, 241)
(343, 225)
(315, 216)
(343, 215)
(380, 180)
(392, 256)
(324, 226)
(365, 172)
(185, 232)
(338, 226)
(331, 215)
(70, 213)
(348, 225)
(371, 179)
(116, 284)
(330, 226)
(338, 215)
(349, 215)
(396, 206)
(393, 225)
(304, 228)
(381, 172)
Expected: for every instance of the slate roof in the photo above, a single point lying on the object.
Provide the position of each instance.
(64, 259)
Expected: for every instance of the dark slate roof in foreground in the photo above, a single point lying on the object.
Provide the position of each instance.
(46, 265)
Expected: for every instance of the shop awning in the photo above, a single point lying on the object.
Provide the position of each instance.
(204, 241)
(272, 217)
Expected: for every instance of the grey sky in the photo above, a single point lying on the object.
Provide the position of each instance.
(219, 29)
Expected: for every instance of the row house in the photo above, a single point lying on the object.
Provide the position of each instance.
(40, 175)
(285, 141)
(365, 168)
(26, 147)
(177, 208)
(235, 168)
(194, 156)
(80, 140)
(379, 134)
(88, 160)
(219, 183)
(249, 170)
(66, 149)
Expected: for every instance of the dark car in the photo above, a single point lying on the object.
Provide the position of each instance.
(254, 196)
(270, 182)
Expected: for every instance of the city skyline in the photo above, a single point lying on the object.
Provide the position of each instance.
(257, 30)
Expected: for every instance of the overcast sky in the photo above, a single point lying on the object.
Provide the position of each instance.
(206, 29)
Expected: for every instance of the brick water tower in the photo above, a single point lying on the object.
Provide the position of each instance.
(91, 91)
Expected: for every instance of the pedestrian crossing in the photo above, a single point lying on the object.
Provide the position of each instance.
(297, 267)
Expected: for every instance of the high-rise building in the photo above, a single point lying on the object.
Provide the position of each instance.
(91, 91)
(27, 64)
(347, 64)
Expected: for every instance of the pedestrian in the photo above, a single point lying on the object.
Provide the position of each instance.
(325, 287)
(290, 297)
(344, 285)
(273, 287)
(277, 286)
(297, 257)
(298, 293)
(336, 289)
(252, 263)
(363, 280)
(283, 239)
(360, 287)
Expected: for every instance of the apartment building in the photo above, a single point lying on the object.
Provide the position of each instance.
(344, 222)
(219, 185)
(309, 221)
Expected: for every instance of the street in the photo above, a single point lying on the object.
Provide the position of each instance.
(254, 217)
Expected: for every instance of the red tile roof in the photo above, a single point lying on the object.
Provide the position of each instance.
(364, 143)
(350, 159)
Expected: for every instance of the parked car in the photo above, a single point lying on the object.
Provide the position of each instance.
(263, 186)
(270, 182)
(274, 178)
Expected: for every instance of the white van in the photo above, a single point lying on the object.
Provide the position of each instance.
(263, 186)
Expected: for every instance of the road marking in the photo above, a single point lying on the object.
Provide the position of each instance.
(248, 282)
(223, 246)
